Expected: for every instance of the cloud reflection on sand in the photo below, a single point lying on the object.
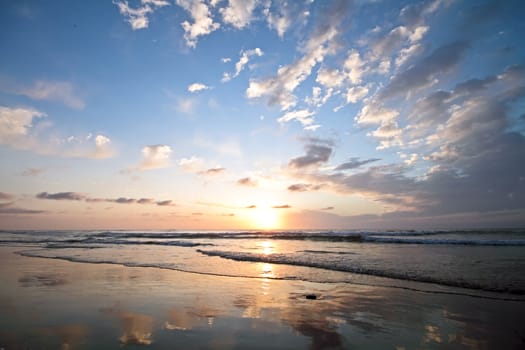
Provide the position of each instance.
(70, 335)
(136, 328)
(188, 318)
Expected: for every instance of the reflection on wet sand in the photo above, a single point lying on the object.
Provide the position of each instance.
(190, 317)
(38, 309)
(42, 280)
(70, 335)
(136, 328)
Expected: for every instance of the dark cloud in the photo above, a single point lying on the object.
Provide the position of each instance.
(71, 196)
(214, 171)
(317, 151)
(168, 202)
(123, 200)
(32, 172)
(15, 211)
(328, 208)
(6, 196)
(421, 74)
(247, 181)
(285, 206)
(251, 206)
(146, 201)
(301, 187)
(354, 163)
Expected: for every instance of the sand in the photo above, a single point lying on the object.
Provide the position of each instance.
(53, 304)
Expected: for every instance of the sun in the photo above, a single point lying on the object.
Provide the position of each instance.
(265, 218)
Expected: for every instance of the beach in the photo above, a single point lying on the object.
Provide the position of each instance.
(60, 304)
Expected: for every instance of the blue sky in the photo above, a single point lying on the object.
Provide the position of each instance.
(262, 114)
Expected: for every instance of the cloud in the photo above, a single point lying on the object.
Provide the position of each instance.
(165, 203)
(423, 73)
(464, 139)
(76, 196)
(192, 165)
(16, 123)
(279, 89)
(202, 21)
(20, 128)
(355, 163)
(247, 181)
(8, 210)
(61, 91)
(251, 206)
(138, 17)
(302, 187)
(284, 206)
(214, 171)
(356, 93)
(32, 172)
(155, 157)
(281, 14)
(304, 116)
(6, 196)
(145, 201)
(317, 151)
(238, 13)
(243, 61)
(103, 149)
(330, 78)
(70, 196)
(195, 87)
(328, 208)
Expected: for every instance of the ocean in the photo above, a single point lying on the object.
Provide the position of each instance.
(478, 263)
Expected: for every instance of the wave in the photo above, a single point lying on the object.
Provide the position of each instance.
(481, 242)
(474, 237)
(342, 267)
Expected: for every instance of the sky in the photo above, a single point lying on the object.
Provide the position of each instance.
(262, 114)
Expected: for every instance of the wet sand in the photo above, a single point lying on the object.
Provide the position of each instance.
(53, 304)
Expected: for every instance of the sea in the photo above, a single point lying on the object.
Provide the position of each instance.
(478, 263)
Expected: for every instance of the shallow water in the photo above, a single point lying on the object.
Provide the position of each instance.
(483, 263)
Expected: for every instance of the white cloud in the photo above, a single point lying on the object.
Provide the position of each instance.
(330, 77)
(195, 87)
(322, 42)
(303, 116)
(356, 93)
(372, 114)
(225, 59)
(238, 13)
(406, 53)
(279, 20)
(61, 91)
(243, 61)
(155, 157)
(202, 21)
(354, 67)
(15, 123)
(138, 17)
(103, 148)
(192, 165)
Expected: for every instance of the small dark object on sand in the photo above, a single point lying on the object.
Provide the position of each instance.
(311, 296)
